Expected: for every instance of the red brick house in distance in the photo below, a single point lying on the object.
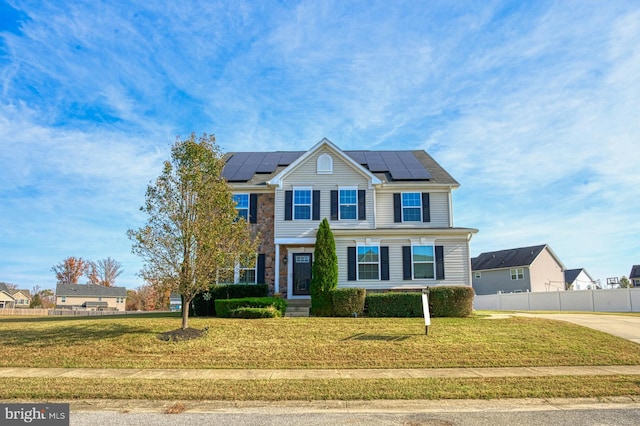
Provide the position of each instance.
(390, 213)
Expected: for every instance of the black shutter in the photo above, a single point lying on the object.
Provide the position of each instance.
(362, 204)
(334, 204)
(260, 269)
(439, 263)
(351, 263)
(384, 263)
(397, 208)
(288, 204)
(253, 208)
(407, 273)
(426, 211)
(315, 200)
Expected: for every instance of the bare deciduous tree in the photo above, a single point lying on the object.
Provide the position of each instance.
(104, 272)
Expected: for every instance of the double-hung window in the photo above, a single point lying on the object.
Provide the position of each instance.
(411, 207)
(423, 262)
(348, 203)
(302, 203)
(368, 262)
(242, 205)
(246, 275)
(517, 274)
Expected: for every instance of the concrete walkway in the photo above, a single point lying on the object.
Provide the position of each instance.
(254, 374)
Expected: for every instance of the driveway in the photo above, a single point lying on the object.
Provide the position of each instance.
(627, 327)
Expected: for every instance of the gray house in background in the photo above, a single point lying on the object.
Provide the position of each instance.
(634, 276)
(524, 269)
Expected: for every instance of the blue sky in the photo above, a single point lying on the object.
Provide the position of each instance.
(534, 107)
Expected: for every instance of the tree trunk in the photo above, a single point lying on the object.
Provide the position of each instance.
(185, 313)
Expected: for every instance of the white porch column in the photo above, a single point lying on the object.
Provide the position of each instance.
(276, 280)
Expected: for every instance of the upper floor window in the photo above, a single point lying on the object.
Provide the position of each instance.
(348, 200)
(477, 275)
(325, 164)
(63, 299)
(411, 207)
(242, 205)
(423, 262)
(517, 274)
(368, 262)
(302, 203)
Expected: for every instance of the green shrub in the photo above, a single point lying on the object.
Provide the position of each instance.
(347, 301)
(203, 304)
(324, 276)
(451, 301)
(225, 306)
(394, 304)
(254, 313)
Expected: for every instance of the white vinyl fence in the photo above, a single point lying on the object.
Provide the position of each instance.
(612, 300)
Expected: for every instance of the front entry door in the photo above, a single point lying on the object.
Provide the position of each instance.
(302, 274)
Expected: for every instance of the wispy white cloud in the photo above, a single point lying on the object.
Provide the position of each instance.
(532, 106)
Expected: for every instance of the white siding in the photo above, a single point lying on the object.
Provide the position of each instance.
(456, 262)
(344, 175)
(438, 204)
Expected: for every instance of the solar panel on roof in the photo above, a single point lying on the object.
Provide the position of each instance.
(414, 166)
(289, 157)
(357, 156)
(269, 163)
(375, 162)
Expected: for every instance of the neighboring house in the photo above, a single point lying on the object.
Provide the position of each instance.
(10, 298)
(90, 297)
(579, 279)
(634, 276)
(22, 298)
(175, 302)
(523, 269)
(6, 300)
(390, 213)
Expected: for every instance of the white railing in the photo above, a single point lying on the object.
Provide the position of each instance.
(612, 300)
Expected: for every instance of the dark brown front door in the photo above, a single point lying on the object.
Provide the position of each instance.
(302, 273)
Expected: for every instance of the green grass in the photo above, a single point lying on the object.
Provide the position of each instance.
(336, 389)
(131, 342)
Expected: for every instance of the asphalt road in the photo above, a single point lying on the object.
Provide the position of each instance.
(583, 417)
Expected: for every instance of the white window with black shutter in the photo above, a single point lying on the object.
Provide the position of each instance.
(368, 262)
(247, 206)
(349, 203)
(250, 273)
(411, 207)
(423, 262)
(302, 203)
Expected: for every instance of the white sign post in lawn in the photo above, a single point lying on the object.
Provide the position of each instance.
(425, 310)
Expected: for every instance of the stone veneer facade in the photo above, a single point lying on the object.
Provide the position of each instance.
(266, 246)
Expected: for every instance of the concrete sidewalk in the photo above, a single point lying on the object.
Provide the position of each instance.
(403, 373)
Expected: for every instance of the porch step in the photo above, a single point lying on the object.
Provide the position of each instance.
(296, 311)
(298, 307)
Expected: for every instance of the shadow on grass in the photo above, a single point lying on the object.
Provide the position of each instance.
(35, 319)
(382, 337)
(68, 335)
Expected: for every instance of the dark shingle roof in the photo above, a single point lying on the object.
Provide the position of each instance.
(635, 271)
(90, 290)
(389, 166)
(511, 258)
(570, 275)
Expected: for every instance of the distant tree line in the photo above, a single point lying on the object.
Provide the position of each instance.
(103, 272)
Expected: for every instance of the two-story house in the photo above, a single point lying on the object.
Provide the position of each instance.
(90, 297)
(524, 269)
(390, 213)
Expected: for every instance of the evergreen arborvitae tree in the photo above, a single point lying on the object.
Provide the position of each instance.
(324, 276)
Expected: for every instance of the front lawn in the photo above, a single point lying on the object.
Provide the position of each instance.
(131, 342)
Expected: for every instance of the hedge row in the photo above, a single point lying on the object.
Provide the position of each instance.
(347, 302)
(203, 305)
(444, 301)
(225, 307)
